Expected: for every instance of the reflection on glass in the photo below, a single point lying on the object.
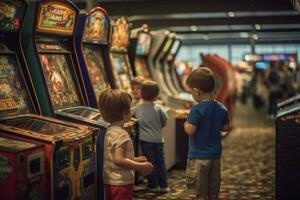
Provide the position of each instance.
(95, 68)
(13, 96)
(86, 113)
(39, 125)
(121, 73)
(59, 80)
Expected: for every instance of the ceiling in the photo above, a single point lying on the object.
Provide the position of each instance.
(212, 21)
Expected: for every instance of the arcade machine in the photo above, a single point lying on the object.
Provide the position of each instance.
(139, 48)
(121, 69)
(49, 47)
(170, 71)
(18, 157)
(68, 149)
(92, 39)
(161, 43)
(287, 152)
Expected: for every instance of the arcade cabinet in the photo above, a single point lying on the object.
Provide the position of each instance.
(94, 62)
(287, 152)
(49, 47)
(121, 69)
(139, 48)
(18, 157)
(68, 149)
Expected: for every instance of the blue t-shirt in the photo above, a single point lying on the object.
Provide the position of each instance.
(209, 117)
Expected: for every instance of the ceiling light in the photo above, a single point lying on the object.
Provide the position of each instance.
(255, 37)
(231, 14)
(205, 37)
(244, 35)
(194, 28)
(257, 26)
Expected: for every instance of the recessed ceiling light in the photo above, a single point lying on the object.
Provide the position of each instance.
(257, 26)
(255, 36)
(206, 37)
(231, 14)
(194, 28)
(244, 35)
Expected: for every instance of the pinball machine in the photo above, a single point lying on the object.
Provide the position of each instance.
(139, 48)
(92, 41)
(68, 149)
(49, 48)
(122, 74)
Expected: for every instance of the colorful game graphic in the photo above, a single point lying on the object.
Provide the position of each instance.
(121, 72)
(15, 145)
(39, 126)
(96, 69)
(11, 14)
(96, 27)
(56, 18)
(13, 97)
(141, 68)
(120, 35)
(143, 44)
(59, 80)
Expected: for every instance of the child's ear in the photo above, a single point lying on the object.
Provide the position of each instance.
(197, 90)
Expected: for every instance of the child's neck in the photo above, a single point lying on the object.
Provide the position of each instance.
(207, 97)
(149, 102)
(118, 123)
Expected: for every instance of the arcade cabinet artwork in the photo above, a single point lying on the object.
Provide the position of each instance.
(122, 73)
(60, 141)
(22, 169)
(92, 38)
(139, 48)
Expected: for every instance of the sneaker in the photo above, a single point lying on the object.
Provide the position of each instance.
(152, 189)
(164, 190)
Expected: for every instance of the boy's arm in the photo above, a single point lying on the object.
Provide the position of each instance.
(226, 130)
(120, 160)
(189, 128)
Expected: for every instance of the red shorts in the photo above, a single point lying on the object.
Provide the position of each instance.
(118, 192)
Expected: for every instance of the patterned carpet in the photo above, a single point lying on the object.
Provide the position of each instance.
(248, 162)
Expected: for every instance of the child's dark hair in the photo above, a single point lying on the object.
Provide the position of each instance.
(114, 104)
(138, 80)
(201, 78)
(149, 90)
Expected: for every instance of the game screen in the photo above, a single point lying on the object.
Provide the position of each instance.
(120, 35)
(11, 14)
(175, 47)
(95, 66)
(143, 44)
(141, 67)
(167, 45)
(96, 27)
(14, 98)
(121, 73)
(39, 125)
(60, 83)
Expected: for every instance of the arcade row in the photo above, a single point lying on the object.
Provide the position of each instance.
(54, 62)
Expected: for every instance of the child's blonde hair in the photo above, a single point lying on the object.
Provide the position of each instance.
(138, 80)
(201, 78)
(114, 104)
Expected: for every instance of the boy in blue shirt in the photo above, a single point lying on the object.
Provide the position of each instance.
(204, 124)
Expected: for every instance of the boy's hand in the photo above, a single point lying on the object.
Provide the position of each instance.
(140, 159)
(146, 168)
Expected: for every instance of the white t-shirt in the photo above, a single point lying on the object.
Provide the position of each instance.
(113, 174)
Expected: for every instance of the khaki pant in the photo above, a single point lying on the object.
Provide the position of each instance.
(203, 177)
